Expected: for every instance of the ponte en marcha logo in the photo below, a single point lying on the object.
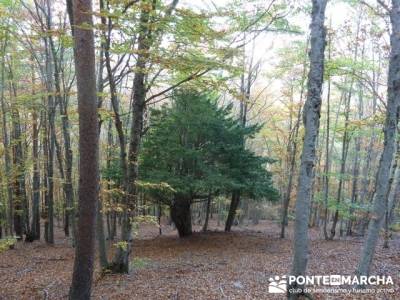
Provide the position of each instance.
(280, 284)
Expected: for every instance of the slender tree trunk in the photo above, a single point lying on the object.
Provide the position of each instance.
(68, 155)
(345, 142)
(121, 259)
(356, 167)
(345, 149)
(292, 152)
(45, 144)
(311, 115)
(21, 215)
(101, 238)
(85, 69)
(209, 199)
(327, 156)
(393, 99)
(6, 144)
(50, 172)
(34, 234)
(159, 218)
(35, 226)
(103, 259)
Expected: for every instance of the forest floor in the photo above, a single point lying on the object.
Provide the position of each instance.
(212, 265)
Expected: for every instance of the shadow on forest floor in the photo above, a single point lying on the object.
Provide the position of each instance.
(212, 265)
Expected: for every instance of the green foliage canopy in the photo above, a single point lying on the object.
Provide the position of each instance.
(197, 147)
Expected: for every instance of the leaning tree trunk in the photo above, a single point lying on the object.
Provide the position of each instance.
(121, 258)
(84, 54)
(311, 115)
(181, 215)
(382, 181)
(292, 149)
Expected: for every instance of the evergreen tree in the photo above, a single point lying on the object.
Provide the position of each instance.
(196, 147)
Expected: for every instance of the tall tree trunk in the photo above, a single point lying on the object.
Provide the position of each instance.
(121, 259)
(49, 225)
(311, 115)
(292, 150)
(85, 69)
(45, 145)
(21, 215)
(68, 155)
(103, 259)
(356, 166)
(6, 144)
(327, 152)
(35, 225)
(292, 153)
(345, 149)
(346, 140)
(382, 181)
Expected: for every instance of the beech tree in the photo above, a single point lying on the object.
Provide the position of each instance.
(390, 133)
(311, 115)
(84, 54)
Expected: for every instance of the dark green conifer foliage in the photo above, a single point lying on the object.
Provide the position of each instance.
(196, 147)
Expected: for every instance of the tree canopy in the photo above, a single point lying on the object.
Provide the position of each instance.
(197, 147)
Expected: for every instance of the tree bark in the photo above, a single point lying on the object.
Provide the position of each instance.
(85, 70)
(6, 143)
(181, 215)
(121, 259)
(21, 216)
(382, 182)
(232, 210)
(345, 149)
(327, 152)
(35, 225)
(292, 150)
(356, 166)
(208, 206)
(101, 238)
(311, 115)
